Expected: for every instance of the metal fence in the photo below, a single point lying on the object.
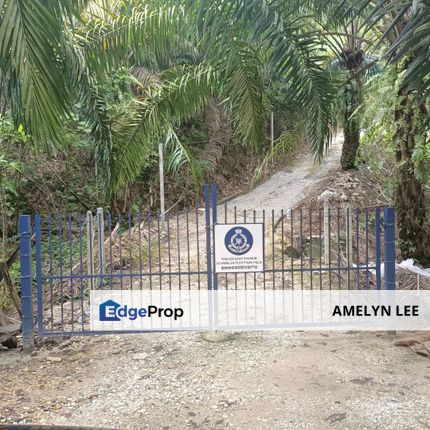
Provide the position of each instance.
(322, 248)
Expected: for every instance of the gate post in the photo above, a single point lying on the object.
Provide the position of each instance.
(208, 235)
(26, 283)
(389, 249)
(214, 221)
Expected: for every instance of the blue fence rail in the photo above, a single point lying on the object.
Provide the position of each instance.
(322, 248)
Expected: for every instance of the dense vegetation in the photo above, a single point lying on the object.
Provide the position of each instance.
(89, 89)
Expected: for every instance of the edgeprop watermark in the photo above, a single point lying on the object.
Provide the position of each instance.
(202, 310)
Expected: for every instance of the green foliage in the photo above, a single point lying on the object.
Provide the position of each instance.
(421, 158)
(377, 148)
(181, 154)
(180, 98)
(286, 143)
(9, 175)
(32, 39)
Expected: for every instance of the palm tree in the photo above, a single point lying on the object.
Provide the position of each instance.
(43, 72)
(407, 31)
(349, 49)
(231, 46)
(53, 63)
(410, 52)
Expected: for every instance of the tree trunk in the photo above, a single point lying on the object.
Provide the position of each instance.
(4, 270)
(351, 133)
(351, 142)
(411, 209)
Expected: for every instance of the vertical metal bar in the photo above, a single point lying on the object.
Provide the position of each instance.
(326, 231)
(206, 191)
(348, 247)
(198, 245)
(187, 221)
(26, 287)
(329, 246)
(255, 275)
(130, 249)
(38, 233)
(208, 235)
(244, 274)
(214, 221)
(235, 274)
(120, 251)
(320, 216)
(149, 249)
(109, 222)
(389, 249)
(179, 249)
(282, 249)
(273, 249)
(292, 247)
(70, 240)
(60, 259)
(378, 247)
(264, 249)
(301, 247)
(357, 244)
(51, 283)
(338, 248)
(169, 262)
(139, 245)
(161, 172)
(225, 221)
(367, 246)
(159, 251)
(310, 248)
(81, 270)
(90, 259)
(101, 243)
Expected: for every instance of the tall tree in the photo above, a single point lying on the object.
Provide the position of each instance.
(407, 30)
(410, 52)
(232, 43)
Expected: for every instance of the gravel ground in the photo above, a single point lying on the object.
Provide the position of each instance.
(258, 380)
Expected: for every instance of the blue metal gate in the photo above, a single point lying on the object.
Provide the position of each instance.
(322, 248)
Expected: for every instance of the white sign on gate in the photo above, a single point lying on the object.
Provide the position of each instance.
(239, 248)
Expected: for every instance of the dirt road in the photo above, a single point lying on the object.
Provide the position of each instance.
(260, 380)
(286, 188)
(270, 380)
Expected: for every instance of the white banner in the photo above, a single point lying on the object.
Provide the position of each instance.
(259, 309)
(239, 248)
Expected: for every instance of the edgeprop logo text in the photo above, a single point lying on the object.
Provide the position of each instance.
(113, 311)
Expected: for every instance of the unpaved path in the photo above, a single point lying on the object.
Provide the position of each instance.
(286, 188)
(260, 380)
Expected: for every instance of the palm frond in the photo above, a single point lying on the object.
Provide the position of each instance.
(91, 102)
(244, 90)
(298, 60)
(182, 95)
(150, 36)
(293, 49)
(31, 37)
(180, 155)
(414, 43)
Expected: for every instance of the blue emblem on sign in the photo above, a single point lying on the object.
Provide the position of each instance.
(238, 240)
